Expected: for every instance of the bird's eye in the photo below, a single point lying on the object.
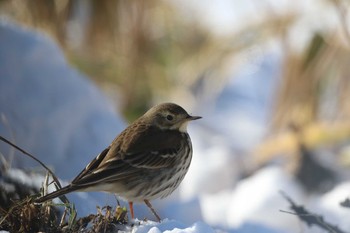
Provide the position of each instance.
(169, 117)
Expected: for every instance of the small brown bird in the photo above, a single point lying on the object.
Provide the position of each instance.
(148, 160)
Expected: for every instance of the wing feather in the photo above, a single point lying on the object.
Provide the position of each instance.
(130, 152)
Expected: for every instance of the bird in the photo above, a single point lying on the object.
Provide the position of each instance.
(146, 161)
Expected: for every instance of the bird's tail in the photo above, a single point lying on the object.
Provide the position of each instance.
(57, 193)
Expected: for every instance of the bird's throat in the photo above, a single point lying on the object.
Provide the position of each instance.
(183, 127)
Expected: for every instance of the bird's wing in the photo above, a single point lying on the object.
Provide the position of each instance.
(150, 148)
(91, 166)
(130, 153)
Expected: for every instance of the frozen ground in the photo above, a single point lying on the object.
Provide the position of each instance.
(56, 113)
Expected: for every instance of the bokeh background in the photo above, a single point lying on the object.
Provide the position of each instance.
(270, 78)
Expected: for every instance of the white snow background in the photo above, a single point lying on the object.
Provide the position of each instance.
(56, 113)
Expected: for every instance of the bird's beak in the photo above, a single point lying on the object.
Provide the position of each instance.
(192, 118)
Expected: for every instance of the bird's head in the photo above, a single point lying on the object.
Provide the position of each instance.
(169, 116)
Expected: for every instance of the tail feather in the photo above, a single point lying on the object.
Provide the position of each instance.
(57, 193)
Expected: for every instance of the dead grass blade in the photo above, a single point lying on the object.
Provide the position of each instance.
(54, 177)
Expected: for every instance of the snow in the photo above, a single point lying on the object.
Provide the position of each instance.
(258, 200)
(32, 180)
(42, 95)
(328, 205)
(57, 114)
(50, 109)
(172, 226)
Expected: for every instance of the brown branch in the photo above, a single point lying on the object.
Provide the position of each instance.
(54, 177)
(309, 218)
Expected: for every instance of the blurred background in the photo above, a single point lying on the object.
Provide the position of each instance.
(270, 78)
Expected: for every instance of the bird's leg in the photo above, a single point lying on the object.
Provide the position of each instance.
(152, 210)
(131, 207)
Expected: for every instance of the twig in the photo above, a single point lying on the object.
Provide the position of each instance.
(34, 158)
(310, 218)
(345, 203)
(7, 163)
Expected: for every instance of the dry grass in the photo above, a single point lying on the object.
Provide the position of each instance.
(26, 216)
(20, 213)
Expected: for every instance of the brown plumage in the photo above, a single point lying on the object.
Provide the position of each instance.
(148, 160)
